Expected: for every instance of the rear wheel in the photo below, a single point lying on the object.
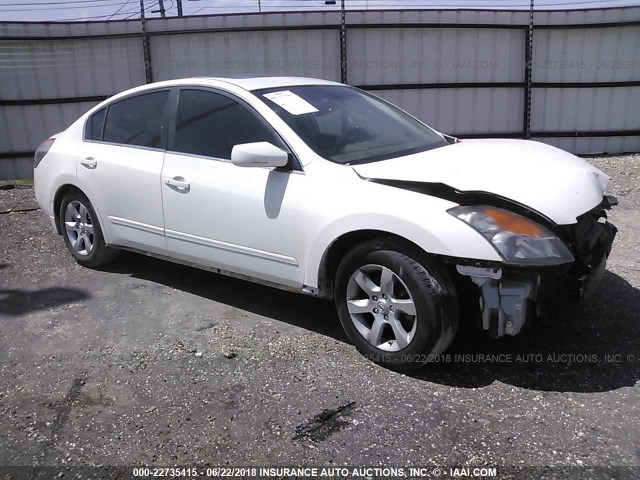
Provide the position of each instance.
(82, 233)
(399, 309)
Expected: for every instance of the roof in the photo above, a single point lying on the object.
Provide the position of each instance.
(248, 83)
(258, 82)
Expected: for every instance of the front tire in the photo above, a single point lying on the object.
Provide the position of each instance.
(398, 306)
(82, 233)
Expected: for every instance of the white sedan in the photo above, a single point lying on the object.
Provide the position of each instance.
(324, 189)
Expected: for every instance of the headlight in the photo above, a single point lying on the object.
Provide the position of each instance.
(517, 239)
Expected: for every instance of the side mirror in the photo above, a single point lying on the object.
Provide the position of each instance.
(258, 154)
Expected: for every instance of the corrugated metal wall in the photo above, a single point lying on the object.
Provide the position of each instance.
(463, 72)
(390, 57)
(39, 71)
(299, 53)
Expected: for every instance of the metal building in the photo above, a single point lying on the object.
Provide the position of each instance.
(571, 79)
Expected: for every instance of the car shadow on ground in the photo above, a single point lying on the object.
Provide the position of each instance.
(16, 302)
(294, 309)
(588, 348)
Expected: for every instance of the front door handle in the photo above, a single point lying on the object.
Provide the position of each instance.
(177, 182)
(89, 162)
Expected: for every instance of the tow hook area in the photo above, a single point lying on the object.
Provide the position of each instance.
(503, 303)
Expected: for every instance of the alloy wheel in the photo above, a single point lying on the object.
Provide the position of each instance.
(381, 308)
(79, 228)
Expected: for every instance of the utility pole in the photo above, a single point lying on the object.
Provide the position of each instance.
(528, 61)
(145, 45)
(343, 43)
(343, 39)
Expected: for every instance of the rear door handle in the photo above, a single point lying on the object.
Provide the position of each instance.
(177, 182)
(89, 162)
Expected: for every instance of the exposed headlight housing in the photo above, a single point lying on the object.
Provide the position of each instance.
(517, 239)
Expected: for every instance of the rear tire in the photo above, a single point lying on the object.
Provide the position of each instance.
(82, 232)
(398, 306)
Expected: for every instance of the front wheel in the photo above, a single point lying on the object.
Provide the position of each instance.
(398, 308)
(82, 233)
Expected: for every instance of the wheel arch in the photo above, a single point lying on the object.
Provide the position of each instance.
(346, 242)
(64, 190)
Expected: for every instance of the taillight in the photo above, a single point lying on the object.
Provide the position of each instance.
(42, 151)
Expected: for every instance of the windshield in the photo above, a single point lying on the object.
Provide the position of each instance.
(346, 125)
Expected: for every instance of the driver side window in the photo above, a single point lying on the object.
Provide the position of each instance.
(210, 124)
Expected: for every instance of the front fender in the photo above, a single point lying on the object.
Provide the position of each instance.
(440, 234)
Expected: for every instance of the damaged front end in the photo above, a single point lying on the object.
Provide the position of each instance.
(512, 296)
(591, 239)
(504, 302)
(543, 263)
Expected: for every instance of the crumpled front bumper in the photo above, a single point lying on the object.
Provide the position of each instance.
(591, 240)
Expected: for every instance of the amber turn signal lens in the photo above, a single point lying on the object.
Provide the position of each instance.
(514, 223)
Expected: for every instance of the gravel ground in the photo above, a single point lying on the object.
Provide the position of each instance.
(147, 362)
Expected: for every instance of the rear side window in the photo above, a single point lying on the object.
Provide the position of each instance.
(95, 125)
(210, 124)
(137, 120)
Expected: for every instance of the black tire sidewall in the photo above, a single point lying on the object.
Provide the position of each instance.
(98, 239)
(428, 290)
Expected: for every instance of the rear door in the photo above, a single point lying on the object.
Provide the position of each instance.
(120, 167)
(218, 214)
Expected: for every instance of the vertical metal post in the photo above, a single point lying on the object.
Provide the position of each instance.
(343, 43)
(161, 8)
(259, 7)
(179, 2)
(528, 61)
(145, 46)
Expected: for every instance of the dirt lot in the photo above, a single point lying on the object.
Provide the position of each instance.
(146, 362)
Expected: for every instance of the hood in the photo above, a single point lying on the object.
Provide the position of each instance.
(552, 182)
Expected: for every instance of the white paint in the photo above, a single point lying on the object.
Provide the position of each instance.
(553, 182)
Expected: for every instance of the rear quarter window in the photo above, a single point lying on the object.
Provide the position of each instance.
(95, 124)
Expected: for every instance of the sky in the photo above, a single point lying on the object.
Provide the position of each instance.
(81, 10)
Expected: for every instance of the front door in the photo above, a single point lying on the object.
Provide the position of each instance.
(219, 214)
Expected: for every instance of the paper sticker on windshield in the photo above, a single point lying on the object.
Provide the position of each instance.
(291, 102)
